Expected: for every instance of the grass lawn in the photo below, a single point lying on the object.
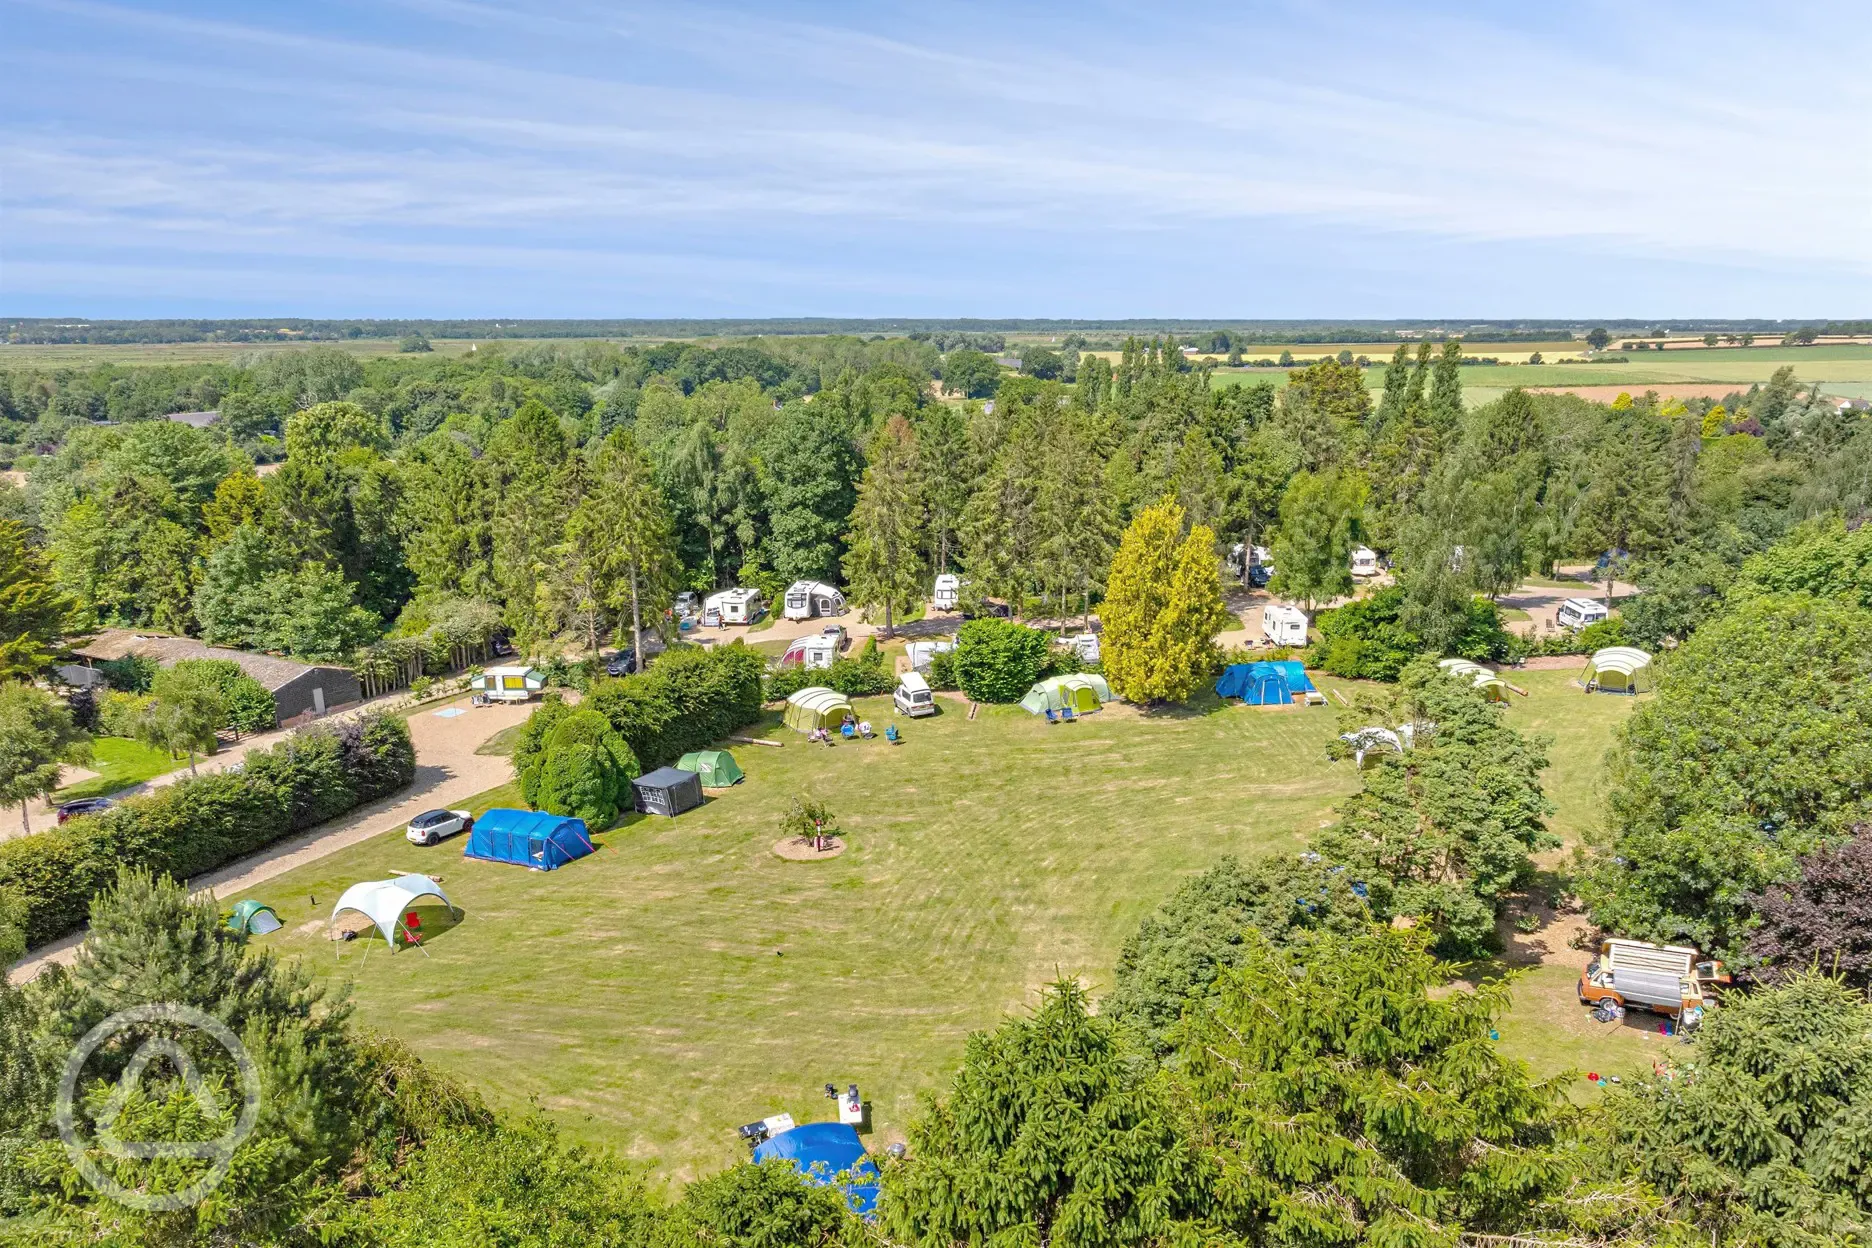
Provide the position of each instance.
(684, 980)
(120, 763)
(502, 743)
(1581, 725)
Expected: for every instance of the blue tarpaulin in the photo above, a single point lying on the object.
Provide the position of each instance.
(1267, 683)
(528, 838)
(824, 1150)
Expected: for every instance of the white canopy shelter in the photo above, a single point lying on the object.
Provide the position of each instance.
(385, 902)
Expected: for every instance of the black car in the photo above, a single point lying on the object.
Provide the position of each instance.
(84, 806)
(1259, 575)
(623, 663)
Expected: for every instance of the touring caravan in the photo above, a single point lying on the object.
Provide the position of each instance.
(921, 653)
(739, 605)
(1283, 625)
(807, 599)
(1364, 561)
(1577, 613)
(948, 593)
(507, 684)
(815, 654)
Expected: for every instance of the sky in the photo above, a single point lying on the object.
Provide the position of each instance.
(479, 158)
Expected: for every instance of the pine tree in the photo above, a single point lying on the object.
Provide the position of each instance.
(1163, 607)
(1076, 520)
(884, 566)
(34, 615)
(942, 480)
(624, 532)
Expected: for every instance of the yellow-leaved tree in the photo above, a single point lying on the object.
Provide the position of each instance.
(1163, 608)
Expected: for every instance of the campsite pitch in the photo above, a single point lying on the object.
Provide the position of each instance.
(684, 980)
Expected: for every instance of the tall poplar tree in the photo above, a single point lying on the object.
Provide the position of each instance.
(1446, 390)
(884, 565)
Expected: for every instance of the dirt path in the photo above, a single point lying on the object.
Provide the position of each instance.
(447, 771)
(1542, 602)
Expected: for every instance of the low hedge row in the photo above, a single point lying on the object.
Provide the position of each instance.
(203, 822)
(689, 699)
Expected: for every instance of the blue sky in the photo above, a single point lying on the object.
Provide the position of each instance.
(481, 158)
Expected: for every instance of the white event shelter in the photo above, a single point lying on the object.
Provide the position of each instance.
(385, 902)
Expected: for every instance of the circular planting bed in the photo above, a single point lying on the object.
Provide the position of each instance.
(800, 849)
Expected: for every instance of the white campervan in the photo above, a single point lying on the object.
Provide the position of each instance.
(913, 696)
(1364, 561)
(1579, 612)
(1283, 625)
(808, 599)
(739, 605)
(948, 592)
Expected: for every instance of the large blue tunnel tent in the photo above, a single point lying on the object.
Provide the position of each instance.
(528, 838)
(824, 1150)
(1267, 683)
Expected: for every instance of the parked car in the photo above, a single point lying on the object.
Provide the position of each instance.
(835, 633)
(623, 663)
(435, 825)
(84, 806)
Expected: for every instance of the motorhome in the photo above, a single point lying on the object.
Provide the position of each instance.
(740, 605)
(1577, 613)
(1665, 979)
(913, 696)
(1282, 625)
(807, 600)
(948, 594)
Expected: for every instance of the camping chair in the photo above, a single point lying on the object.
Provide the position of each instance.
(1051, 717)
(864, 729)
(890, 733)
(847, 731)
(1066, 715)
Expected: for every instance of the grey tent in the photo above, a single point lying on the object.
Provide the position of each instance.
(668, 791)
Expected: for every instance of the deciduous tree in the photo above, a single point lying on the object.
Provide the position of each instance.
(37, 735)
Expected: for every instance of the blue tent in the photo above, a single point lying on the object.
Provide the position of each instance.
(824, 1150)
(528, 838)
(1267, 683)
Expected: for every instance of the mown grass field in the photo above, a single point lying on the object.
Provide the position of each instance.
(120, 763)
(684, 980)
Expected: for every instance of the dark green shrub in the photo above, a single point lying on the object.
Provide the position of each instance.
(130, 674)
(688, 700)
(999, 660)
(942, 671)
(584, 769)
(249, 707)
(783, 682)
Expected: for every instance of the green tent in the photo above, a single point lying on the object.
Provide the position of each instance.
(253, 918)
(817, 707)
(716, 767)
(1082, 692)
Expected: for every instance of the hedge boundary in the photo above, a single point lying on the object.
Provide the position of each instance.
(203, 822)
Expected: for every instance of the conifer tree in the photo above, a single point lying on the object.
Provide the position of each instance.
(1163, 607)
(34, 615)
(624, 530)
(1396, 383)
(1446, 407)
(884, 566)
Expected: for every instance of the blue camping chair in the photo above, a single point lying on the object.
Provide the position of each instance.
(890, 733)
(1051, 717)
(1066, 715)
(847, 731)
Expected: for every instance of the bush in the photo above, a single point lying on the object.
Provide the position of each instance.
(117, 713)
(583, 769)
(1363, 640)
(1606, 632)
(942, 670)
(863, 676)
(248, 705)
(999, 660)
(689, 700)
(132, 673)
(203, 822)
(783, 682)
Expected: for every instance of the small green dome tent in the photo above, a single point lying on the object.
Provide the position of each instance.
(253, 918)
(717, 768)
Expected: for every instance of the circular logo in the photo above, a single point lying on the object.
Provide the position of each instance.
(218, 1152)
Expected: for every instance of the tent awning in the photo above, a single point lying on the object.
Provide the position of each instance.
(385, 902)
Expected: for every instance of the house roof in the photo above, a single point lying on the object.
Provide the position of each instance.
(201, 420)
(114, 643)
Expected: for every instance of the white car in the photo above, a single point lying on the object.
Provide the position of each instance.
(434, 825)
